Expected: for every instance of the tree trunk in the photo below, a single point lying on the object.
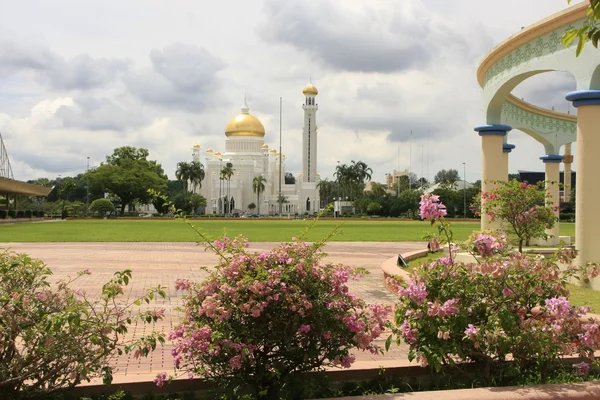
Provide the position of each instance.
(123, 204)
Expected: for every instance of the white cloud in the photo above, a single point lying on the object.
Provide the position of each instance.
(147, 74)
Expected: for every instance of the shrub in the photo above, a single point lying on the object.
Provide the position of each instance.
(261, 319)
(20, 214)
(12, 213)
(3, 214)
(519, 208)
(505, 305)
(56, 337)
(102, 206)
(28, 213)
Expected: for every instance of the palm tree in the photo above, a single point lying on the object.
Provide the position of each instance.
(196, 174)
(258, 185)
(326, 191)
(183, 174)
(226, 174)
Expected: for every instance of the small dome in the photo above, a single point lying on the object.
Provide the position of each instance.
(196, 146)
(310, 89)
(218, 154)
(209, 150)
(273, 151)
(265, 146)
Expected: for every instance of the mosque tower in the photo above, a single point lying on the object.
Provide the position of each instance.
(309, 136)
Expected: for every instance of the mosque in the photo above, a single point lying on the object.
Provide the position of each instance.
(250, 157)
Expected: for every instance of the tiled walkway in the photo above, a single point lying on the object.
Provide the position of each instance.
(162, 263)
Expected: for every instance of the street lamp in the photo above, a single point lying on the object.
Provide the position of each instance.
(464, 190)
(87, 189)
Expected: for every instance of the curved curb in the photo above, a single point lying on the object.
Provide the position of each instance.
(586, 390)
(391, 269)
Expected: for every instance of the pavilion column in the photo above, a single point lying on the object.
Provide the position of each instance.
(587, 217)
(567, 160)
(494, 162)
(552, 164)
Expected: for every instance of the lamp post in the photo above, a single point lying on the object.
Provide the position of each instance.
(87, 190)
(464, 190)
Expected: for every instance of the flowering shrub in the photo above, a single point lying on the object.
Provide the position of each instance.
(523, 209)
(52, 338)
(486, 243)
(260, 319)
(507, 305)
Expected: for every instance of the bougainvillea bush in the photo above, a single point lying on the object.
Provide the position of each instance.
(506, 305)
(53, 336)
(259, 320)
(522, 209)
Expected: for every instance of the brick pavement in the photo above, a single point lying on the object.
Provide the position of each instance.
(162, 263)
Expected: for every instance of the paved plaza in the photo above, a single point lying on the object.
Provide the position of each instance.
(162, 263)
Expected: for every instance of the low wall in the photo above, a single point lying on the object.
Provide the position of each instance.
(390, 267)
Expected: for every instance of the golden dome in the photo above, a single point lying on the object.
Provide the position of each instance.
(310, 89)
(196, 146)
(209, 150)
(245, 124)
(273, 151)
(265, 146)
(218, 154)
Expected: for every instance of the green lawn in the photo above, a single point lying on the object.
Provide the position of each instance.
(115, 230)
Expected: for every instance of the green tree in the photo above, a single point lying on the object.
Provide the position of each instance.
(374, 208)
(523, 209)
(251, 206)
(226, 174)
(589, 31)
(290, 179)
(128, 174)
(378, 189)
(447, 177)
(196, 201)
(67, 187)
(258, 186)
(102, 206)
(190, 172)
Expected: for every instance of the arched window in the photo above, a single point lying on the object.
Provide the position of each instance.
(308, 204)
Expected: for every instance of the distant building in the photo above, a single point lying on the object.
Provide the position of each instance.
(534, 178)
(251, 157)
(394, 178)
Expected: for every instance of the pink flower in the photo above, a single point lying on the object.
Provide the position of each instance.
(507, 292)
(431, 207)
(416, 291)
(582, 368)
(348, 360)
(304, 329)
(160, 379)
(471, 330)
(182, 284)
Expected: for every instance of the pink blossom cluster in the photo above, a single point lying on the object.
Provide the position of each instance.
(435, 309)
(416, 291)
(281, 304)
(431, 208)
(487, 244)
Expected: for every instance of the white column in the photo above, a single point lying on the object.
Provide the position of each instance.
(552, 166)
(567, 160)
(494, 164)
(587, 218)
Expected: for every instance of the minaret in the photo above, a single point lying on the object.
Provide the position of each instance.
(309, 136)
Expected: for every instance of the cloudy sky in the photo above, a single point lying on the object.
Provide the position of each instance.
(78, 79)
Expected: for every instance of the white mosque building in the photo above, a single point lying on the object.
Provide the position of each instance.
(251, 157)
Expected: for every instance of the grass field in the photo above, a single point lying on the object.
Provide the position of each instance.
(115, 230)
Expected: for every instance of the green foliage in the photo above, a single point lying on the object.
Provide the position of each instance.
(447, 177)
(128, 174)
(373, 208)
(56, 337)
(102, 206)
(351, 178)
(522, 209)
(258, 186)
(590, 30)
